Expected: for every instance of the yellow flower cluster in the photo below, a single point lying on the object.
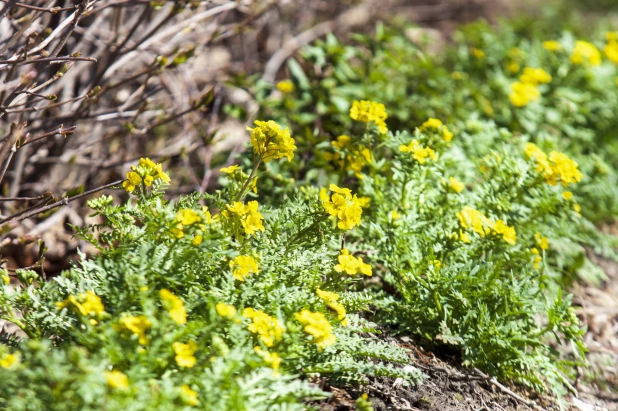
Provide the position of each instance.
(248, 215)
(330, 299)
(352, 265)
(611, 48)
(116, 379)
(138, 325)
(242, 266)
(523, 93)
(86, 304)
(537, 258)
(552, 45)
(585, 53)
(189, 396)
(286, 86)
(420, 153)
(456, 185)
(187, 217)
(436, 125)
(557, 166)
(542, 242)
(225, 310)
(343, 206)
(317, 325)
(270, 142)
(535, 76)
(470, 218)
(271, 358)
(184, 354)
(8, 361)
(355, 159)
(146, 172)
(268, 328)
(174, 306)
(370, 112)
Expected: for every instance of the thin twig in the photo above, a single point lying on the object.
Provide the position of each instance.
(509, 392)
(59, 203)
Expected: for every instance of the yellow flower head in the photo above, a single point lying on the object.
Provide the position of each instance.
(542, 242)
(352, 265)
(567, 195)
(146, 172)
(436, 125)
(174, 305)
(268, 328)
(138, 325)
(330, 299)
(508, 233)
(86, 304)
(475, 220)
(243, 266)
(116, 379)
(552, 45)
(563, 168)
(456, 185)
(187, 217)
(230, 169)
(611, 51)
(343, 206)
(535, 76)
(419, 153)
(9, 361)
(225, 310)
(585, 53)
(270, 142)
(286, 86)
(248, 216)
(341, 142)
(370, 112)
(523, 93)
(317, 325)
(188, 396)
(271, 358)
(184, 354)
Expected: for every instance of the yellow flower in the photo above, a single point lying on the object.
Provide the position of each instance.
(437, 264)
(523, 93)
(147, 172)
(552, 45)
(611, 36)
(286, 86)
(248, 215)
(272, 359)
(464, 237)
(508, 233)
(543, 242)
(116, 379)
(268, 328)
(316, 325)
(197, 240)
(343, 206)
(420, 153)
(225, 310)
(352, 265)
(474, 219)
(187, 217)
(184, 354)
(567, 195)
(456, 185)
(585, 53)
(243, 266)
(478, 53)
(564, 168)
(188, 396)
(178, 231)
(537, 258)
(513, 66)
(230, 169)
(138, 325)
(535, 76)
(395, 215)
(341, 142)
(8, 361)
(436, 125)
(174, 305)
(330, 299)
(270, 142)
(611, 51)
(577, 208)
(86, 304)
(370, 112)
